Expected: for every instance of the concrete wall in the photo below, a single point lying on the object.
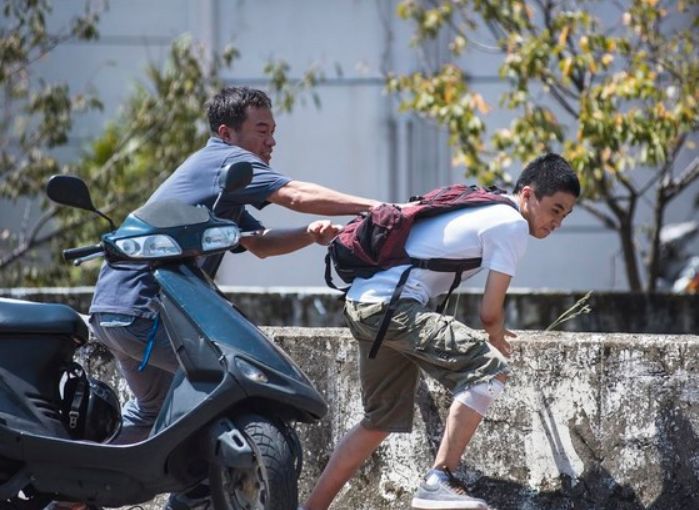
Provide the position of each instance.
(588, 421)
(525, 308)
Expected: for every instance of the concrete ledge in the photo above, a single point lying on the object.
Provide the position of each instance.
(525, 308)
(588, 421)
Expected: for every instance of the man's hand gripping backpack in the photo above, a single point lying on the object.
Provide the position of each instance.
(375, 241)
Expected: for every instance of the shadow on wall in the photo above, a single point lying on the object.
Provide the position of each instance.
(596, 488)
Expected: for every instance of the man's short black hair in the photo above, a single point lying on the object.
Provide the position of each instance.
(229, 105)
(549, 174)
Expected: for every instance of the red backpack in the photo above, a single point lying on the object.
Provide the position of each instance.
(375, 241)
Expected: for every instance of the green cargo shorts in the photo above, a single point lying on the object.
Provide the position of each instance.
(417, 338)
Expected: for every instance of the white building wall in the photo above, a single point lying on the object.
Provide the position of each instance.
(356, 142)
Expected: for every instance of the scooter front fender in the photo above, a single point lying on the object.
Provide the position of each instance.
(228, 446)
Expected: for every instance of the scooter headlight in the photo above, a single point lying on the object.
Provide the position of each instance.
(149, 247)
(217, 238)
(250, 371)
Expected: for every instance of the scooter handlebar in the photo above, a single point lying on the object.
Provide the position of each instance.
(82, 251)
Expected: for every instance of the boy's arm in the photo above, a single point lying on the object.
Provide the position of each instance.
(492, 310)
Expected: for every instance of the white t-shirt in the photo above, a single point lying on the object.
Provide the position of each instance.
(497, 233)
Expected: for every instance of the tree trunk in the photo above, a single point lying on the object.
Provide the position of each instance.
(628, 247)
(625, 215)
(654, 261)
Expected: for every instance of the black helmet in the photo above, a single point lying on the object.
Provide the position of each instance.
(90, 408)
(103, 415)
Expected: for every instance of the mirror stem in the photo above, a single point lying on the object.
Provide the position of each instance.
(111, 223)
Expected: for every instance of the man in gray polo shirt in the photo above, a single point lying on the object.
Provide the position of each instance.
(124, 305)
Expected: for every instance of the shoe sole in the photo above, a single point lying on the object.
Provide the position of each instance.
(428, 504)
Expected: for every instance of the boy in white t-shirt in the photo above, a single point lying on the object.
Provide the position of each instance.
(471, 364)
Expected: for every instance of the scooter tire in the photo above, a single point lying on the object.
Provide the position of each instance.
(273, 482)
(36, 503)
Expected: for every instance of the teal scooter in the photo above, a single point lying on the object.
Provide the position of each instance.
(229, 413)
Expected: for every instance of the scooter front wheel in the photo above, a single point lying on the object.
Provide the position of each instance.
(30, 501)
(271, 483)
(36, 503)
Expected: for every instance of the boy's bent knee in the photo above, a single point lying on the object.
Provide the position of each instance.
(479, 397)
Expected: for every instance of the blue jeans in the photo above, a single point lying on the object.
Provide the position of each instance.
(126, 336)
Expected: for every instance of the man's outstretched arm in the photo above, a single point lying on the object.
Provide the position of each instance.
(308, 197)
(280, 241)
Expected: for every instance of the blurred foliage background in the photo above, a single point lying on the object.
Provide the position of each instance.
(612, 97)
(619, 101)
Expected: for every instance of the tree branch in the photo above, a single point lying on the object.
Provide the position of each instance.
(578, 78)
(122, 150)
(32, 240)
(628, 185)
(560, 99)
(606, 220)
(667, 166)
(562, 89)
(688, 175)
(51, 45)
(451, 24)
(558, 90)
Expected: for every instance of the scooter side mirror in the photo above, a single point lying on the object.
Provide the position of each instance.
(236, 176)
(71, 191)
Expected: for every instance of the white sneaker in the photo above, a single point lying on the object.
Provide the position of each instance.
(440, 489)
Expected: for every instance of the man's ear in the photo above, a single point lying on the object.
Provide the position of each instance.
(225, 133)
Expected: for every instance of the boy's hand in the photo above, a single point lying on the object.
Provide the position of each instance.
(323, 231)
(503, 345)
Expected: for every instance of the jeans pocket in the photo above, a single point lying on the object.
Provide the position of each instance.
(140, 328)
(115, 320)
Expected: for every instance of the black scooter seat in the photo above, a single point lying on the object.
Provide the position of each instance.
(25, 317)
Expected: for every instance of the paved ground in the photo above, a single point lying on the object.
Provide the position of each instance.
(155, 504)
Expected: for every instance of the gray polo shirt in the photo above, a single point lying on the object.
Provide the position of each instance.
(194, 182)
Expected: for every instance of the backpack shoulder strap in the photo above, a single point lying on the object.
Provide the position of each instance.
(454, 284)
(329, 275)
(390, 310)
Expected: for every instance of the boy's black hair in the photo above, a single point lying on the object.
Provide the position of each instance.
(549, 174)
(229, 105)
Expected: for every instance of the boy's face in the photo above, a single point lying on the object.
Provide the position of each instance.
(546, 214)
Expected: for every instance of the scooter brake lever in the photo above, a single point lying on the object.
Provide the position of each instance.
(252, 233)
(93, 256)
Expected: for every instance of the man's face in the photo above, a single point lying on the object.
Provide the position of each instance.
(546, 214)
(256, 134)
